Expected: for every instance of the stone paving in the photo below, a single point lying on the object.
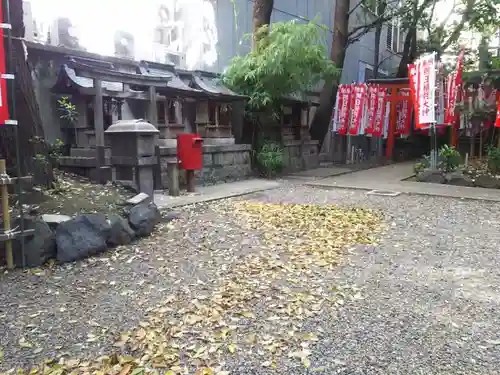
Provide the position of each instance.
(392, 178)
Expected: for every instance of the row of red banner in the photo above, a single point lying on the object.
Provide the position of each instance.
(364, 109)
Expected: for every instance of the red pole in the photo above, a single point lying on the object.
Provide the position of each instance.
(392, 125)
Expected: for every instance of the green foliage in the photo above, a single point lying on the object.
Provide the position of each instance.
(55, 151)
(419, 167)
(494, 159)
(67, 110)
(290, 59)
(270, 158)
(450, 158)
(495, 63)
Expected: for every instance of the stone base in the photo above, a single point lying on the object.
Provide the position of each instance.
(301, 155)
(172, 142)
(221, 163)
(218, 141)
(167, 142)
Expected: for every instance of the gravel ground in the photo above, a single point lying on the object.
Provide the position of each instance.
(429, 290)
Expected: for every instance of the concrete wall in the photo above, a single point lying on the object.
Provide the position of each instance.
(221, 163)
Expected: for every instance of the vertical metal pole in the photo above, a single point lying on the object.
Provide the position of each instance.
(391, 137)
(433, 146)
(6, 216)
(13, 113)
(348, 150)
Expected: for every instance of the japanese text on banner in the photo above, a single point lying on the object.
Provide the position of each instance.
(426, 86)
(344, 110)
(454, 84)
(371, 108)
(380, 114)
(412, 76)
(403, 123)
(359, 98)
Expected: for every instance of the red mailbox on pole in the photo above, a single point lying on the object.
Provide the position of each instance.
(190, 151)
(190, 156)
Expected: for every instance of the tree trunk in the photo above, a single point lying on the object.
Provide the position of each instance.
(26, 110)
(321, 120)
(262, 10)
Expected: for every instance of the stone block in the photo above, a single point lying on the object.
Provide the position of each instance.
(121, 233)
(458, 179)
(223, 158)
(82, 237)
(486, 181)
(430, 175)
(143, 218)
(207, 159)
(39, 247)
(139, 198)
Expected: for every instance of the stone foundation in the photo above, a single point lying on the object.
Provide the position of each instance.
(301, 155)
(221, 163)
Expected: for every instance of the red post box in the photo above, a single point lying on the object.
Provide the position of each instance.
(190, 151)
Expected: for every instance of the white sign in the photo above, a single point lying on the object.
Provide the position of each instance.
(426, 82)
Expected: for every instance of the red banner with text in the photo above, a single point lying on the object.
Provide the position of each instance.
(358, 98)
(344, 105)
(403, 122)
(4, 109)
(380, 113)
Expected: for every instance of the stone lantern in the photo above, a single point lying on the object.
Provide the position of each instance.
(133, 159)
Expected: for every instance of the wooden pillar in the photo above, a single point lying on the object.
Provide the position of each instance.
(173, 178)
(99, 130)
(153, 114)
(153, 119)
(189, 115)
(391, 139)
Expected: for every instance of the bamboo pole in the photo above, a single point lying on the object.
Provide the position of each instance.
(6, 217)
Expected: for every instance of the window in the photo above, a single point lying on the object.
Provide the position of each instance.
(287, 116)
(394, 38)
(160, 112)
(172, 113)
(212, 113)
(224, 114)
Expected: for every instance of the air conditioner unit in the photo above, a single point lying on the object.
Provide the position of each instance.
(63, 34)
(124, 44)
(164, 55)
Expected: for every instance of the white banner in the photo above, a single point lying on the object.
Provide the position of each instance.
(426, 78)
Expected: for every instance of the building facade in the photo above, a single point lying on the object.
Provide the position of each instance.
(194, 34)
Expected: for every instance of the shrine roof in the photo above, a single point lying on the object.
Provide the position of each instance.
(66, 73)
(209, 83)
(299, 99)
(154, 69)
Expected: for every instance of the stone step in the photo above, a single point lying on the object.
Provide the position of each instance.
(80, 161)
(87, 152)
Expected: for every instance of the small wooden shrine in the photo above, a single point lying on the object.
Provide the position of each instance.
(214, 112)
(295, 118)
(185, 101)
